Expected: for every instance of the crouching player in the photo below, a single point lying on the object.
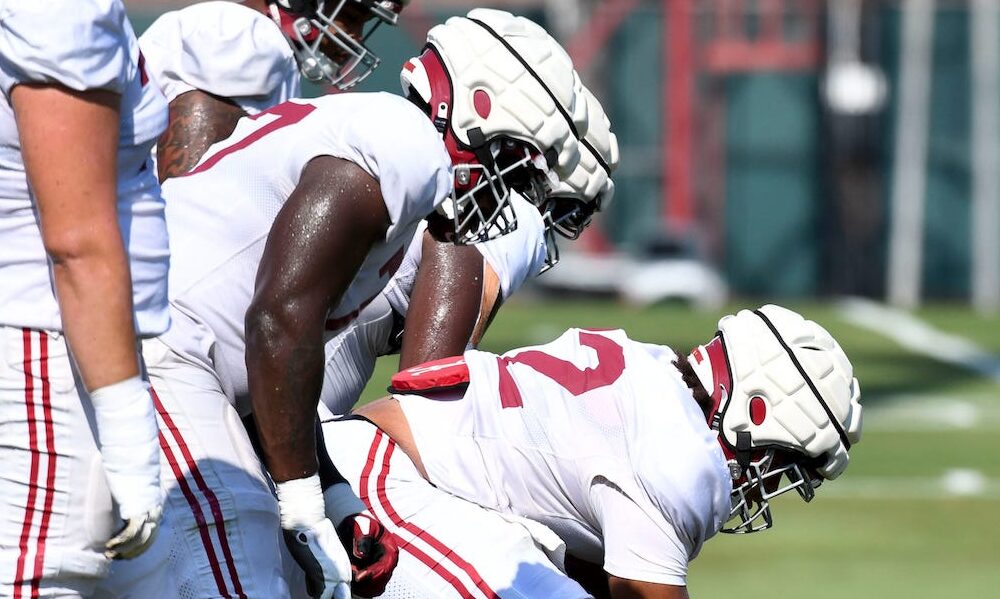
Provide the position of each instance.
(632, 454)
(321, 199)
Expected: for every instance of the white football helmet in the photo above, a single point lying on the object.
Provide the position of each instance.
(785, 403)
(324, 50)
(502, 92)
(568, 208)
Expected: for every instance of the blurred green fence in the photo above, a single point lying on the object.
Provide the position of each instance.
(781, 225)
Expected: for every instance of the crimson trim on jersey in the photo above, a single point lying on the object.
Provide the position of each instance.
(199, 515)
(446, 552)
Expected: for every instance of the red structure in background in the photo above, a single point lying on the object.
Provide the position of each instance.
(705, 38)
(737, 36)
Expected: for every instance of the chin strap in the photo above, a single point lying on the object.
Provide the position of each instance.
(743, 446)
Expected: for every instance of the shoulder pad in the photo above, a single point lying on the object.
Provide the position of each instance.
(436, 375)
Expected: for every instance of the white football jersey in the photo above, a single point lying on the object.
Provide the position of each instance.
(594, 435)
(351, 353)
(82, 44)
(220, 213)
(222, 48)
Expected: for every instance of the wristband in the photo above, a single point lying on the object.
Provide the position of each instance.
(300, 502)
(126, 426)
(341, 502)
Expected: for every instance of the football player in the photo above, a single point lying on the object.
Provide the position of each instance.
(443, 296)
(217, 62)
(633, 454)
(287, 229)
(83, 274)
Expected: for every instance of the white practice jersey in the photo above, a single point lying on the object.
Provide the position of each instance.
(220, 213)
(222, 48)
(81, 44)
(351, 353)
(594, 435)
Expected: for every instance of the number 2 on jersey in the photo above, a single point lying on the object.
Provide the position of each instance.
(575, 380)
(288, 113)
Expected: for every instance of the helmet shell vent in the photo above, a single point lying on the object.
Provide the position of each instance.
(481, 101)
(758, 410)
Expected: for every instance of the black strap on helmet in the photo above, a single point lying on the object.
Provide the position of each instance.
(480, 147)
(559, 107)
(743, 445)
(812, 386)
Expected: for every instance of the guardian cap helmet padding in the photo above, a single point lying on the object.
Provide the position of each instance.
(503, 94)
(311, 27)
(569, 207)
(786, 403)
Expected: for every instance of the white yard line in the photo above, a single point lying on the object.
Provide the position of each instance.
(920, 337)
(956, 483)
(917, 413)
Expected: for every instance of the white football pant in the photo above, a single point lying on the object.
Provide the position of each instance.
(220, 534)
(449, 547)
(56, 511)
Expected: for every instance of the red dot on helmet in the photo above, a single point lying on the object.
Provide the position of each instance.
(481, 100)
(758, 410)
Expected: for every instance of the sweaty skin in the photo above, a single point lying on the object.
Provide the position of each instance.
(445, 302)
(317, 243)
(197, 120)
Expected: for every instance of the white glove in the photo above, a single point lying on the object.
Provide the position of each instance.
(126, 426)
(136, 536)
(312, 539)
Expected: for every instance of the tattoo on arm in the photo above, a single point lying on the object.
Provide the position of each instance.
(197, 120)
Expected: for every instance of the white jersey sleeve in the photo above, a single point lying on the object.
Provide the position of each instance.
(83, 45)
(222, 48)
(519, 255)
(38, 46)
(351, 355)
(638, 545)
(394, 145)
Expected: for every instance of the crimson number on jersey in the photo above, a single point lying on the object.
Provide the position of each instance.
(575, 380)
(288, 113)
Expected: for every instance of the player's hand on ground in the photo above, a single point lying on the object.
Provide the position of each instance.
(373, 553)
(319, 552)
(136, 536)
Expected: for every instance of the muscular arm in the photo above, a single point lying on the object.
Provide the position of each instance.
(69, 141)
(445, 302)
(602, 585)
(197, 120)
(317, 243)
(622, 588)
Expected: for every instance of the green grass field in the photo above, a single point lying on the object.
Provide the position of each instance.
(915, 516)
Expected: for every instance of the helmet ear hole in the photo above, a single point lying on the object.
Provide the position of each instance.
(758, 410)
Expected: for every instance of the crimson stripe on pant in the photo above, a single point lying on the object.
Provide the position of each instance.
(50, 450)
(213, 502)
(29, 507)
(446, 552)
